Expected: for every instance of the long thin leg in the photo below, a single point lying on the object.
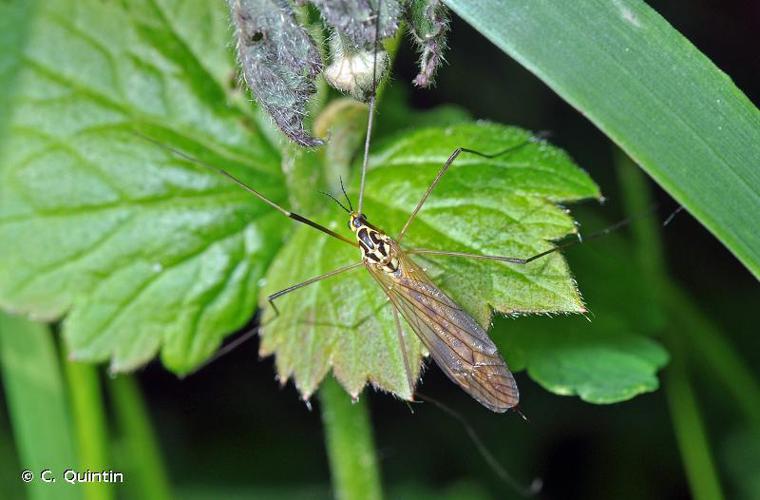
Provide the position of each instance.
(404, 355)
(443, 170)
(518, 260)
(308, 282)
(226, 349)
(512, 260)
(352, 326)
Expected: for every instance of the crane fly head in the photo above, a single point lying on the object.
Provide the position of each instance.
(356, 221)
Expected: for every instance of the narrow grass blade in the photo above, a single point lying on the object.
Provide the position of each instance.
(707, 344)
(652, 92)
(688, 426)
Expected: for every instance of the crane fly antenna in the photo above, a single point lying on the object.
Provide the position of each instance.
(371, 117)
(672, 216)
(525, 491)
(333, 198)
(292, 215)
(343, 188)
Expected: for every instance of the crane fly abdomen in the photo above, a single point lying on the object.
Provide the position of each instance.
(456, 342)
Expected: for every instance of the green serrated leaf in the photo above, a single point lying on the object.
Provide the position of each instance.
(606, 357)
(145, 250)
(502, 206)
(149, 252)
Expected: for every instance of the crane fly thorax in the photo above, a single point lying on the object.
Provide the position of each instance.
(377, 247)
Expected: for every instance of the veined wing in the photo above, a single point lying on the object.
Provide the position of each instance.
(457, 343)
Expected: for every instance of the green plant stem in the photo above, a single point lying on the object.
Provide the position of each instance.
(705, 339)
(718, 356)
(690, 431)
(36, 397)
(90, 425)
(144, 465)
(348, 431)
(350, 446)
(687, 423)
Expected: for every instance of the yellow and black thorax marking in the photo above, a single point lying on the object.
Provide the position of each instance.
(377, 247)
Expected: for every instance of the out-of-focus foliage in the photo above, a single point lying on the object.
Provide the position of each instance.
(35, 392)
(652, 92)
(603, 358)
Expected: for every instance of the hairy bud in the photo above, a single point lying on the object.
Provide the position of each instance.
(279, 60)
(355, 71)
(429, 22)
(355, 19)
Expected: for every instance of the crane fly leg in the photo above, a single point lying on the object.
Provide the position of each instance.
(352, 326)
(309, 281)
(404, 355)
(453, 156)
(468, 255)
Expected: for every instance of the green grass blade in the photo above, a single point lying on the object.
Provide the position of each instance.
(90, 424)
(36, 398)
(143, 464)
(350, 446)
(652, 92)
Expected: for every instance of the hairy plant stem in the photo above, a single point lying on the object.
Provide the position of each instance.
(688, 426)
(350, 446)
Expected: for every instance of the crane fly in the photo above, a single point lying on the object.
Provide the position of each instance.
(456, 342)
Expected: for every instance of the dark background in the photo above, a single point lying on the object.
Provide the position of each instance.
(230, 429)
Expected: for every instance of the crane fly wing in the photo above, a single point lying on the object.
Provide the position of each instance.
(457, 343)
